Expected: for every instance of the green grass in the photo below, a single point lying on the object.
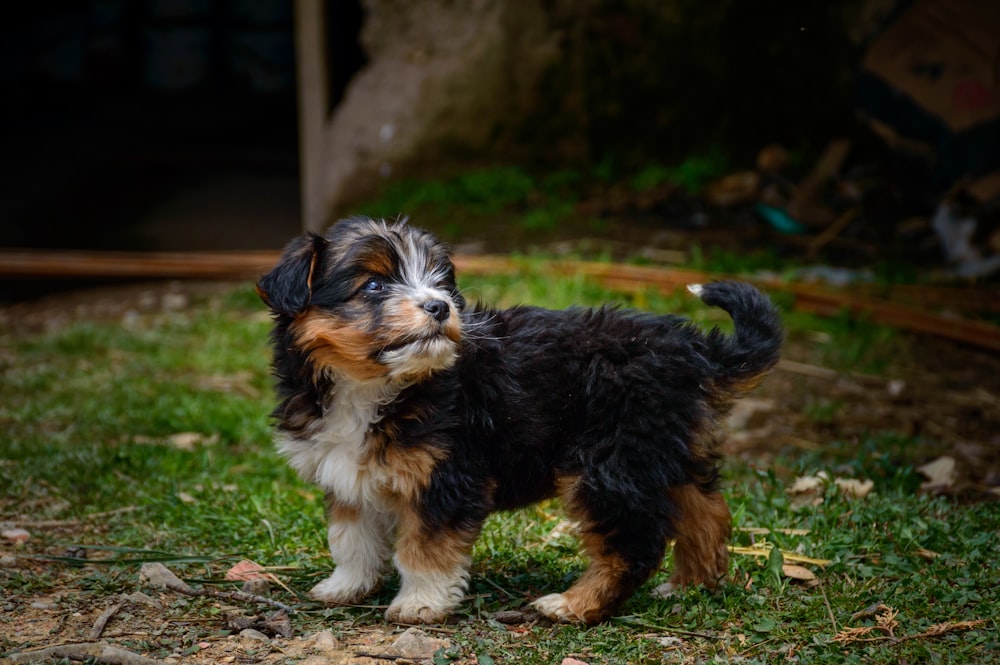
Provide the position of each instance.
(90, 416)
(487, 196)
(511, 196)
(692, 174)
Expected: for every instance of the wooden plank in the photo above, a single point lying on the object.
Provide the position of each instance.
(808, 298)
(197, 265)
(627, 278)
(313, 96)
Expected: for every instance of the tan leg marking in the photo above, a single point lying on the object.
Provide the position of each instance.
(597, 591)
(703, 529)
(595, 594)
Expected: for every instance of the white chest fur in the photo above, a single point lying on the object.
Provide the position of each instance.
(333, 454)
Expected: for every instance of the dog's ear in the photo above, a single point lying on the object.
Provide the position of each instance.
(287, 289)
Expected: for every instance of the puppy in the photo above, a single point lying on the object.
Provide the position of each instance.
(419, 416)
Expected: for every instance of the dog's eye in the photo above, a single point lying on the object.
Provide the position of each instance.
(373, 285)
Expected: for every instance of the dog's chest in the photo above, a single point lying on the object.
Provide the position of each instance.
(336, 453)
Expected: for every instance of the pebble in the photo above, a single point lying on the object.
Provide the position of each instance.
(259, 587)
(8, 561)
(251, 634)
(139, 598)
(415, 644)
(157, 575)
(17, 535)
(325, 642)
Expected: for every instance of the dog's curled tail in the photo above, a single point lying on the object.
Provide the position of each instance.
(755, 345)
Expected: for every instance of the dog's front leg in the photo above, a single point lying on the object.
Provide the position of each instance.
(359, 539)
(433, 568)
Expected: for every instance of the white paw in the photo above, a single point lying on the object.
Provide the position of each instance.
(409, 613)
(555, 607)
(342, 588)
(427, 597)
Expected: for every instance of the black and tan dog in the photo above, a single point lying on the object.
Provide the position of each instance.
(419, 416)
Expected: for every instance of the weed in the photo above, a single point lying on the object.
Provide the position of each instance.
(692, 174)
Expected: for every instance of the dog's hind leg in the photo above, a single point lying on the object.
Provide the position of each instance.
(623, 554)
(701, 532)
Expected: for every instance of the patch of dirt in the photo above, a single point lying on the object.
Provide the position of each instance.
(936, 398)
(171, 630)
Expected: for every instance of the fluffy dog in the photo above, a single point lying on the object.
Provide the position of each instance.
(419, 416)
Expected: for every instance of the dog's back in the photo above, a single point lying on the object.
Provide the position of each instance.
(615, 412)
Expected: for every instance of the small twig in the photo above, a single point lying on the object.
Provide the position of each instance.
(238, 596)
(833, 230)
(829, 609)
(102, 621)
(665, 629)
(377, 656)
(50, 524)
(430, 629)
(497, 587)
(99, 652)
(805, 369)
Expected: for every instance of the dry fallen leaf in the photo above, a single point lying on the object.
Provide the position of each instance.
(853, 488)
(190, 440)
(940, 474)
(248, 570)
(796, 572)
(807, 490)
(745, 411)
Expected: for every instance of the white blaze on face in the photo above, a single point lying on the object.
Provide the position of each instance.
(434, 343)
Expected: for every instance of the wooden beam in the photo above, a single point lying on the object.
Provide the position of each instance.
(626, 278)
(68, 264)
(313, 96)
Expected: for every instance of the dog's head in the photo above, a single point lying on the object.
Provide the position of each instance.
(368, 300)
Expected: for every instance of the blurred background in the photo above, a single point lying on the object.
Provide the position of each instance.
(855, 134)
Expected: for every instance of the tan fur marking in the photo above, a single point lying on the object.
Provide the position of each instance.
(565, 488)
(312, 269)
(453, 329)
(333, 344)
(410, 468)
(406, 317)
(378, 263)
(596, 591)
(439, 552)
(703, 529)
(338, 511)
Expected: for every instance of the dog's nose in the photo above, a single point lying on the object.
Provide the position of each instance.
(438, 309)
